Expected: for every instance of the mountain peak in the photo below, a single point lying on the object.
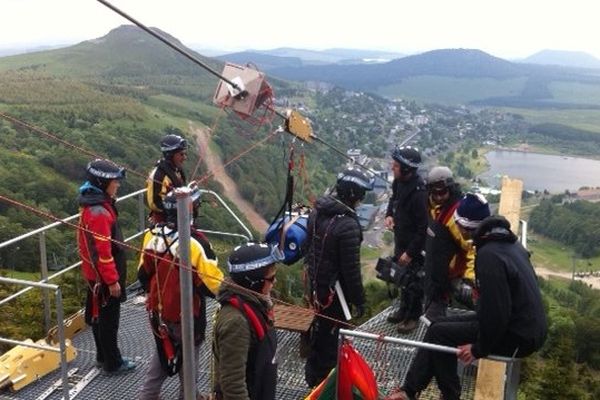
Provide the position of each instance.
(565, 58)
(127, 33)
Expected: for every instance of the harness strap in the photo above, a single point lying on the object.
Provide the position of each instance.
(250, 314)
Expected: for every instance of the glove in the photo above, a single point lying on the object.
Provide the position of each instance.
(463, 292)
(358, 310)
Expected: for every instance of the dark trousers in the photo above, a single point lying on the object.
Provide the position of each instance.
(322, 356)
(411, 295)
(105, 330)
(450, 331)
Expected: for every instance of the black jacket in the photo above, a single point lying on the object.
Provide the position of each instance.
(408, 207)
(333, 250)
(510, 302)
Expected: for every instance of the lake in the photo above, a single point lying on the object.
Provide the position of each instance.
(542, 171)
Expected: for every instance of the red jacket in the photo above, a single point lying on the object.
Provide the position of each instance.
(101, 259)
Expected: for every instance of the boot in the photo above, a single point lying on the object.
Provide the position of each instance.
(407, 326)
(396, 316)
(435, 310)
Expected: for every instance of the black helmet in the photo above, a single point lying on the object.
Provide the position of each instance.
(440, 178)
(246, 264)
(408, 157)
(171, 144)
(170, 202)
(100, 172)
(352, 184)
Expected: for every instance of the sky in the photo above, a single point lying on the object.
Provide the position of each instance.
(510, 29)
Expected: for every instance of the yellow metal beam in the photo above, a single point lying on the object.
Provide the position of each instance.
(491, 375)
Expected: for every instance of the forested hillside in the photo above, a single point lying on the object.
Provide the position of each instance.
(116, 97)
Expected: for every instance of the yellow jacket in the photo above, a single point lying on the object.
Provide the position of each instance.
(462, 265)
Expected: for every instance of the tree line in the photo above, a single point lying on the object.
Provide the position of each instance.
(575, 224)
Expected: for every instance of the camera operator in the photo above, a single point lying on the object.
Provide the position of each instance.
(407, 216)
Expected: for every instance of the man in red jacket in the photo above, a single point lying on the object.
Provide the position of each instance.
(103, 262)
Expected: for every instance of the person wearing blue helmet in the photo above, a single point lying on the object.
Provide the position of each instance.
(333, 273)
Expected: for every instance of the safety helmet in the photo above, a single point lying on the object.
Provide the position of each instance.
(408, 157)
(170, 202)
(352, 185)
(172, 143)
(100, 172)
(246, 264)
(439, 178)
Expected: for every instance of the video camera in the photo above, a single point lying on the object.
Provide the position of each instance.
(389, 271)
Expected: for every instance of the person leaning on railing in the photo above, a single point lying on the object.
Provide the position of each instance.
(103, 262)
(510, 320)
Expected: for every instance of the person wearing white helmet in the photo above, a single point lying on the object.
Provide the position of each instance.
(510, 320)
(449, 259)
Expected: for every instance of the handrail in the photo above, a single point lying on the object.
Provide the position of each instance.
(239, 221)
(125, 197)
(414, 343)
(58, 223)
(60, 324)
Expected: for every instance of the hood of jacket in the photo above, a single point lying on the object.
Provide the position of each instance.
(493, 229)
(90, 195)
(229, 289)
(329, 205)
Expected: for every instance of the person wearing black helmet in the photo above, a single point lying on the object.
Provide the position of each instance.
(332, 265)
(103, 262)
(450, 260)
(510, 320)
(245, 344)
(158, 273)
(166, 174)
(407, 216)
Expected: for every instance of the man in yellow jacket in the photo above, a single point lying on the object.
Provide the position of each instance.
(159, 274)
(449, 260)
(166, 175)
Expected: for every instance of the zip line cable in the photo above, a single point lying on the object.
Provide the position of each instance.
(203, 65)
(39, 212)
(54, 137)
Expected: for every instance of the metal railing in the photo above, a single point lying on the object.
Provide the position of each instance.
(60, 327)
(41, 232)
(511, 381)
(45, 278)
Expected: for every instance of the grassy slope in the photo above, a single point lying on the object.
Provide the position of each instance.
(436, 89)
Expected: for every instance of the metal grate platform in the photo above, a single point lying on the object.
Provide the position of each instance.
(389, 361)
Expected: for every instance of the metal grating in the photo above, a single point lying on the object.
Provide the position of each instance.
(389, 361)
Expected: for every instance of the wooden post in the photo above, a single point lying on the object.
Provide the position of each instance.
(491, 375)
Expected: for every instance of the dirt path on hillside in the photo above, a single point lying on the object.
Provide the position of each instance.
(594, 282)
(215, 164)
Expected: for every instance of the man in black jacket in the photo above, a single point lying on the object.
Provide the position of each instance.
(510, 319)
(407, 216)
(333, 268)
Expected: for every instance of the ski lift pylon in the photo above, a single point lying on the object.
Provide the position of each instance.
(253, 92)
